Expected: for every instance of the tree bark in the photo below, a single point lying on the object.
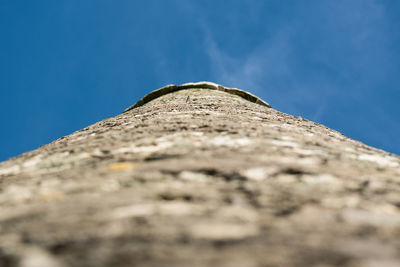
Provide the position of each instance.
(201, 177)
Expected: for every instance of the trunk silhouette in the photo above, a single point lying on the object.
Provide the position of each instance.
(201, 175)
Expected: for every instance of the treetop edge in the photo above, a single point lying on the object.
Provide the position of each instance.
(198, 85)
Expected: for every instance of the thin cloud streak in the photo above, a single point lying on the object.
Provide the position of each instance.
(274, 61)
(267, 70)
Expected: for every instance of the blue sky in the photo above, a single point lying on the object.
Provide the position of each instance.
(68, 64)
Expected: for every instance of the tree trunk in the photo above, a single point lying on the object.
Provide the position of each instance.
(201, 175)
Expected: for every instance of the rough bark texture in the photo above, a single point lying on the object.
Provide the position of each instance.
(209, 180)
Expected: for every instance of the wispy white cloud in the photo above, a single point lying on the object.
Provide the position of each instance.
(268, 70)
(274, 69)
(268, 60)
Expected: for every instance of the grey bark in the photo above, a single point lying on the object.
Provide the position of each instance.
(207, 180)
